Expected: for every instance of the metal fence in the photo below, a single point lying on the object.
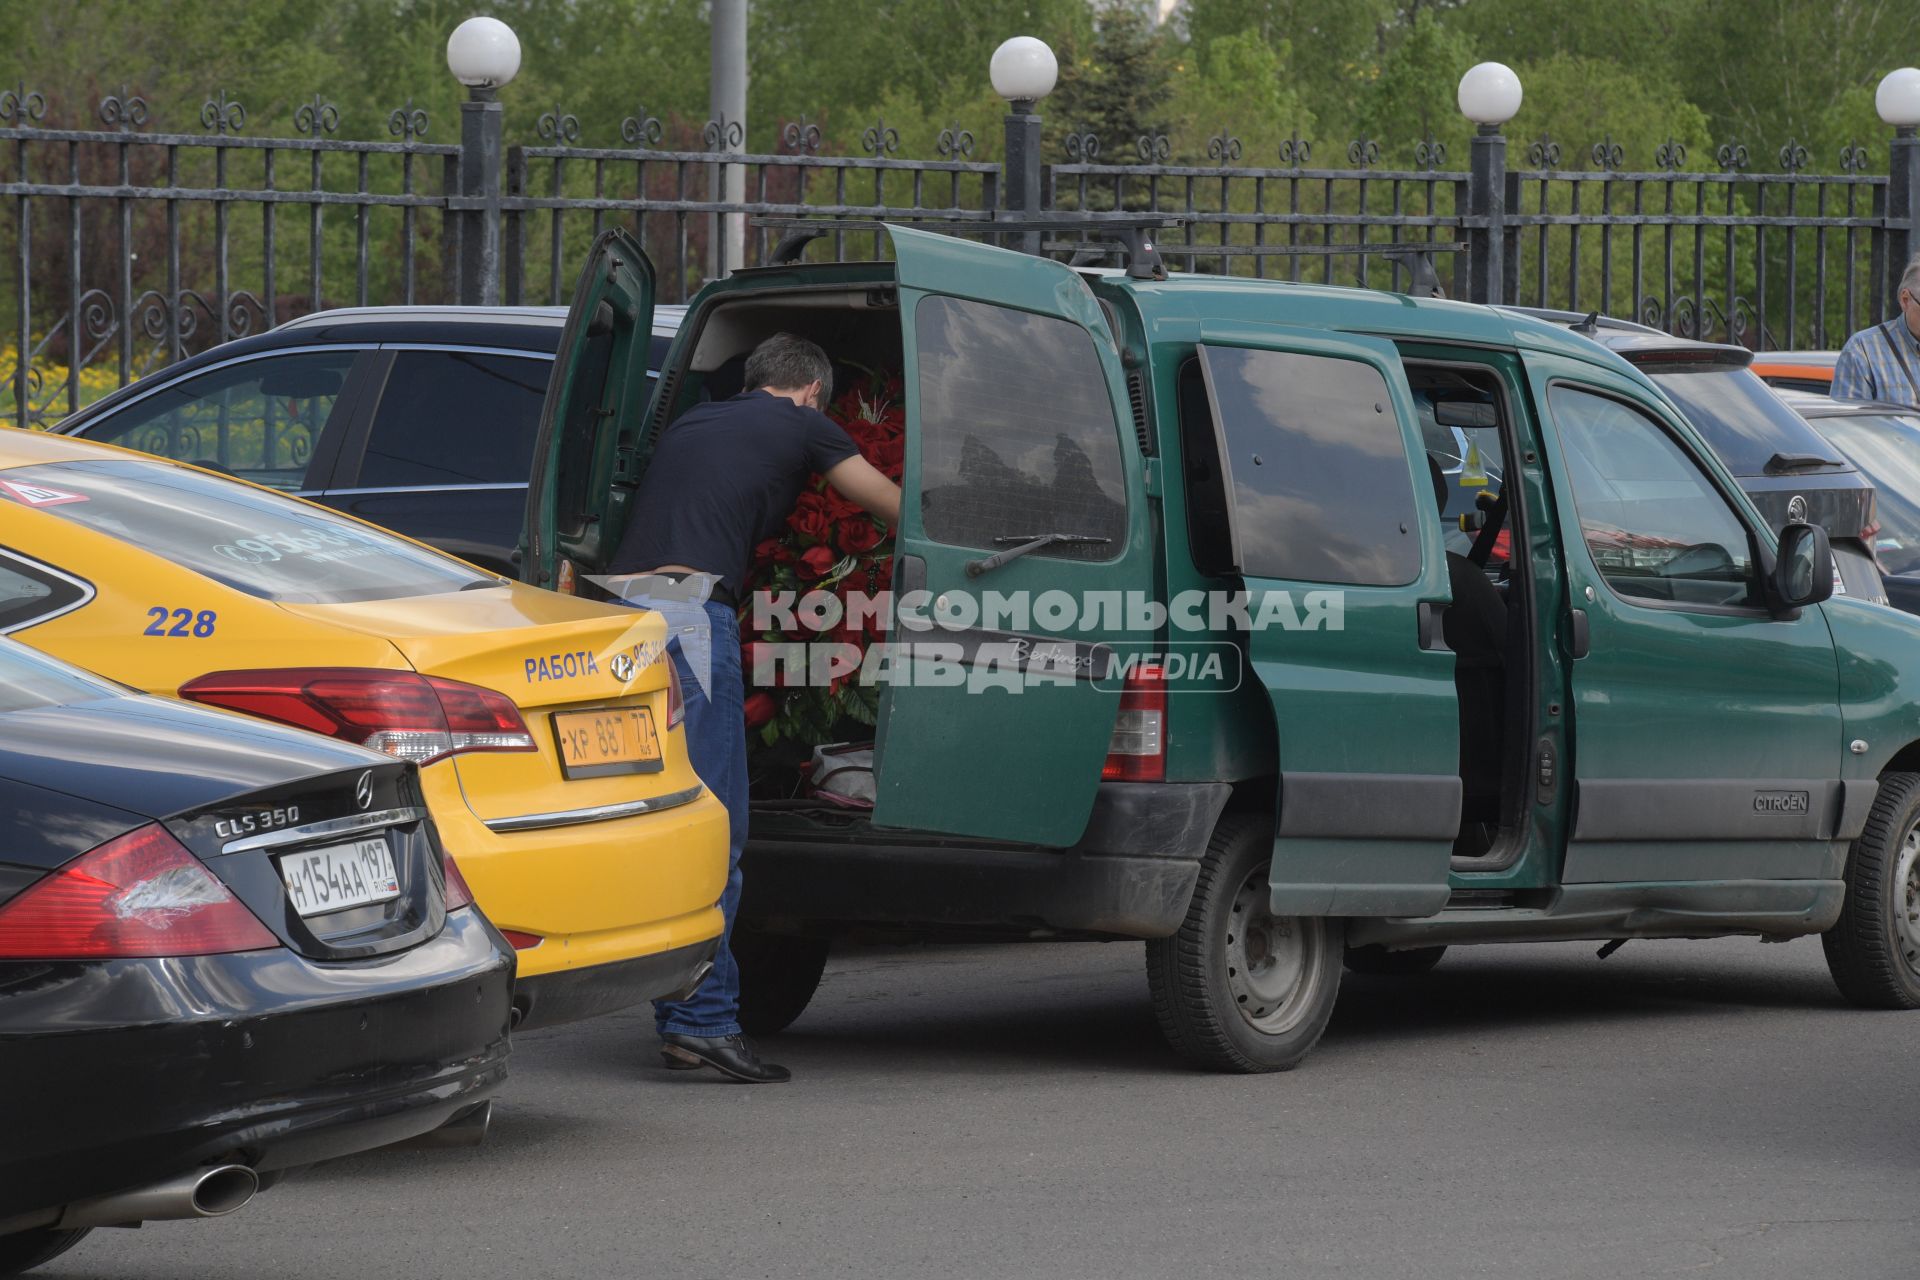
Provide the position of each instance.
(131, 248)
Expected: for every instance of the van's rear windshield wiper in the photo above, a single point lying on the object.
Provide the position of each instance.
(1781, 464)
(1029, 542)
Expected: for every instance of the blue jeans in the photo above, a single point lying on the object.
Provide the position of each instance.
(716, 731)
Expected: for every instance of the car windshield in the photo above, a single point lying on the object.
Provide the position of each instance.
(28, 680)
(249, 539)
(1886, 448)
(1744, 421)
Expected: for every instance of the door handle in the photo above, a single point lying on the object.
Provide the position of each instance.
(1429, 614)
(1581, 639)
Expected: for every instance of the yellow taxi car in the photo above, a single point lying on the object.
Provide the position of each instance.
(545, 727)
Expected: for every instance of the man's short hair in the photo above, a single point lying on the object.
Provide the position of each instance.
(786, 362)
(1910, 278)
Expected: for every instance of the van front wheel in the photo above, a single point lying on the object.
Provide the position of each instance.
(1873, 950)
(1238, 988)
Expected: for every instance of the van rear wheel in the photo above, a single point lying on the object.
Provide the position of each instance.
(1238, 988)
(1873, 950)
(778, 975)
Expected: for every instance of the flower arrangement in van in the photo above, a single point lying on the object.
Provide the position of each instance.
(829, 545)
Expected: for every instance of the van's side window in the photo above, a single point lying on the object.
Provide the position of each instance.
(1655, 525)
(1017, 431)
(455, 418)
(1316, 466)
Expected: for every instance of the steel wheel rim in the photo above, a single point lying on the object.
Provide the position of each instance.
(1904, 893)
(1272, 961)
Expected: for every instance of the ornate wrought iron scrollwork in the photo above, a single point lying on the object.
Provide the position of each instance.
(1295, 151)
(880, 139)
(1082, 147)
(242, 307)
(723, 135)
(222, 114)
(1793, 157)
(153, 313)
(19, 106)
(98, 316)
(124, 111)
(1853, 157)
(956, 143)
(408, 122)
(1224, 147)
(1153, 148)
(558, 126)
(1732, 157)
(1363, 153)
(1429, 152)
(1544, 153)
(316, 117)
(1607, 155)
(800, 136)
(1670, 156)
(640, 128)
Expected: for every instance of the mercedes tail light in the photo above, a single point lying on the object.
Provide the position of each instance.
(1138, 751)
(418, 718)
(140, 894)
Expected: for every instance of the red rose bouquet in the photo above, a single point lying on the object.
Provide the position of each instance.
(829, 545)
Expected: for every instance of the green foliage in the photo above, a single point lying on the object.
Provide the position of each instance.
(1239, 85)
(1116, 85)
(1412, 95)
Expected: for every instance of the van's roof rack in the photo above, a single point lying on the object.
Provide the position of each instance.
(1130, 233)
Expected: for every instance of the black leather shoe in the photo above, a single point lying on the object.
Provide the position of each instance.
(732, 1056)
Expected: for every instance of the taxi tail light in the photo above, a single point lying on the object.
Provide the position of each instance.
(676, 698)
(1138, 751)
(140, 894)
(522, 941)
(455, 891)
(418, 718)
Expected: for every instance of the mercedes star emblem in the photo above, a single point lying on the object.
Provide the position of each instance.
(363, 789)
(1796, 508)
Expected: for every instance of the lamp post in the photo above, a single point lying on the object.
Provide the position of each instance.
(483, 54)
(1898, 102)
(1489, 96)
(1024, 71)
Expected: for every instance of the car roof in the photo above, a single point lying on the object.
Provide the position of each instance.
(26, 447)
(1807, 359)
(1637, 342)
(533, 328)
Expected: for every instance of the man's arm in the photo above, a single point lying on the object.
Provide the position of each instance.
(859, 481)
(1852, 375)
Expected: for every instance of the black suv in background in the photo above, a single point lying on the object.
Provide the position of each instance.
(1785, 466)
(420, 419)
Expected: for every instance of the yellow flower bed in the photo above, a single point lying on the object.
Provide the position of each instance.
(49, 396)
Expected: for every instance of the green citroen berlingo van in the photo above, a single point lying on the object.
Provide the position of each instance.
(1608, 702)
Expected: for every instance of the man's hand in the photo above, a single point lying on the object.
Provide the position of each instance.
(859, 481)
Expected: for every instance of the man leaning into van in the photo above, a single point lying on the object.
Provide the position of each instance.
(724, 477)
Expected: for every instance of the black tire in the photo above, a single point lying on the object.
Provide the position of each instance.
(1377, 961)
(778, 975)
(24, 1250)
(1873, 950)
(1211, 1008)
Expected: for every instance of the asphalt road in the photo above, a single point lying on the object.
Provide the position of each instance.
(1678, 1109)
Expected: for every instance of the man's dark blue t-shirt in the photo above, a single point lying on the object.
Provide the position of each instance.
(723, 478)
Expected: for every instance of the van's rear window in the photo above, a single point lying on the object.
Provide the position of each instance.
(250, 539)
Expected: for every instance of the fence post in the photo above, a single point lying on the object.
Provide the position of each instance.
(1487, 189)
(1022, 165)
(1903, 208)
(478, 207)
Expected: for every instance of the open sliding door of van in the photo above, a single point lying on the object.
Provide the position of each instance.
(1023, 526)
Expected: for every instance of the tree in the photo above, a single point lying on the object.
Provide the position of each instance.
(1116, 85)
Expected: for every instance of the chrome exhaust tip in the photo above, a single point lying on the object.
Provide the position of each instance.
(204, 1193)
(699, 976)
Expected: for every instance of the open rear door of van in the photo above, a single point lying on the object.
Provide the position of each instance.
(596, 403)
(1024, 526)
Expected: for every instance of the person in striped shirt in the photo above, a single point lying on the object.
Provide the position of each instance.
(1882, 362)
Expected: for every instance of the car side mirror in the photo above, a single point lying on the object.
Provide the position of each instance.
(1803, 569)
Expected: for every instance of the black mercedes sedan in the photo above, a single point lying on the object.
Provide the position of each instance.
(228, 950)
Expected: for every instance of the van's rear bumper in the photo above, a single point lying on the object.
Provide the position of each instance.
(1130, 876)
